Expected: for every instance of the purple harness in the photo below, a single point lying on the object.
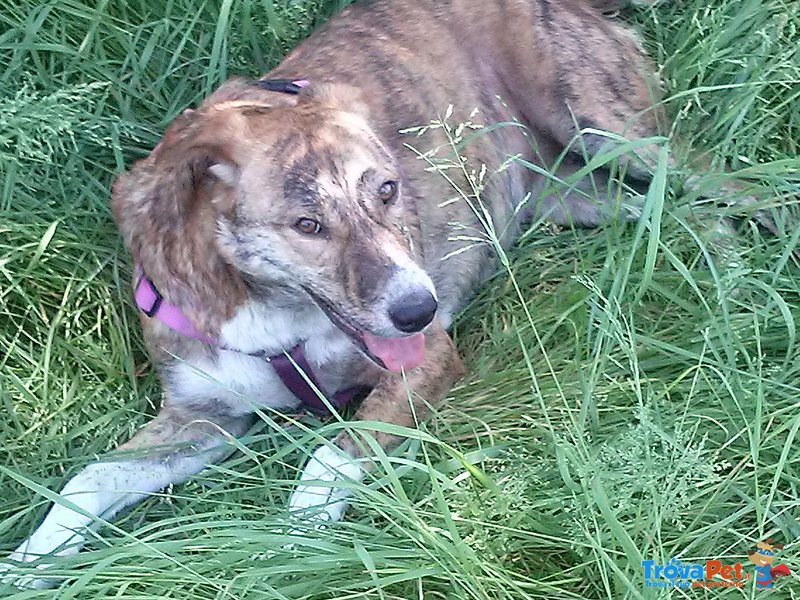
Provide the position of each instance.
(299, 379)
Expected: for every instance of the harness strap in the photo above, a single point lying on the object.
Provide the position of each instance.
(292, 378)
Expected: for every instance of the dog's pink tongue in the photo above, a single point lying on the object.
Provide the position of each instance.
(397, 353)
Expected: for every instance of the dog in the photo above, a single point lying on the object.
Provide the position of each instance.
(292, 251)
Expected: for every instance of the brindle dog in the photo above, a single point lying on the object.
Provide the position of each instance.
(288, 214)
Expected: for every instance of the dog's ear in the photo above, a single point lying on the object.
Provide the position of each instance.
(167, 208)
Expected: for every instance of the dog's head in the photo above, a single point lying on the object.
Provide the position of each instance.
(265, 191)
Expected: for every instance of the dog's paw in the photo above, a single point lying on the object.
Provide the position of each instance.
(318, 498)
(10, 576)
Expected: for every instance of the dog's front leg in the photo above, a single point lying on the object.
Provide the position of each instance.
(174, 445)
(393, 400)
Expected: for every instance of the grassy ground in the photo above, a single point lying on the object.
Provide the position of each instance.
(628, 399)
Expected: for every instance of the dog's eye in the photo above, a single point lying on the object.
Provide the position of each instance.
(387, 191)
(308, 226)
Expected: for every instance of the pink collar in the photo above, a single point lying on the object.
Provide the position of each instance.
(291, 366)
(152, 303)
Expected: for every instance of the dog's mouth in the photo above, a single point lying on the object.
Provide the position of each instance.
(391, 353)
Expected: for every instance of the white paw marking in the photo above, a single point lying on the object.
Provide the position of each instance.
(318, 497)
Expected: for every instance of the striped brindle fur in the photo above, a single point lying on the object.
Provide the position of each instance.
(275, 219)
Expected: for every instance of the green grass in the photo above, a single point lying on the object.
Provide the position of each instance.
(630, 395)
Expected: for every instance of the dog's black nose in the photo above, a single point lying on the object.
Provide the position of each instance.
(414, 311)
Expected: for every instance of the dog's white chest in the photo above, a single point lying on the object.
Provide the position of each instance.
(244, 382)
(256, 328)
